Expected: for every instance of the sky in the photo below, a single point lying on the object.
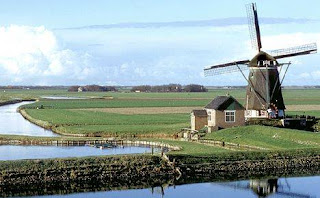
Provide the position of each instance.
(137, 42)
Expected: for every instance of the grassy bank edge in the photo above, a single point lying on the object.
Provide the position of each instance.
(46, 125)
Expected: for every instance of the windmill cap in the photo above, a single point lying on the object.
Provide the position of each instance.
(261, 56)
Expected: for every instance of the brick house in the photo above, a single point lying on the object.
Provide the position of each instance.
(221, 112)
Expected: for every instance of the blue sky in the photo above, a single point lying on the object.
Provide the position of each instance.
(127, 42)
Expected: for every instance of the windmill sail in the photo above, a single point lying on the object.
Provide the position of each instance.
(226, 68)
(253, 24)
(294, 51)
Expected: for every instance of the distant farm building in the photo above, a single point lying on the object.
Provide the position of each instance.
(221, 112)
(80, 89)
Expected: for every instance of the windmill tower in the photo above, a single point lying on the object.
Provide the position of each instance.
(264, 96)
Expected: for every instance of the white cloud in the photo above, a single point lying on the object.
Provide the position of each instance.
(304, 75)
(289, 40)
(34, 54)
(316, 74)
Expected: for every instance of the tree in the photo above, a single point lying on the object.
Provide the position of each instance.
(73, 88)
(195, 88)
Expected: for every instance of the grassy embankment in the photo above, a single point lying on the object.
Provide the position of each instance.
(268, 137)
(278, 144)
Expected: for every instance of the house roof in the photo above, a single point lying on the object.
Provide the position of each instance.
(223, 102)
(199, 112)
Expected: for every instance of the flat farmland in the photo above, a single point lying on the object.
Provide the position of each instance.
(144, 110)
(140, 114)
(117, 103)
(76, 121)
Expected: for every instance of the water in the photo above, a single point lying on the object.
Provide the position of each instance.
(63, 97)
(16, 152)
(12, 123)
(303, 187)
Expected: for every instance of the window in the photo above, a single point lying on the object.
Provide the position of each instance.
(209, 115)
(230, 116)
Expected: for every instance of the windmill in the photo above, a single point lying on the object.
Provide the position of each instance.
(264, 96)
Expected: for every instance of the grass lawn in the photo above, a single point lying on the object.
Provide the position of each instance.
(193, 148)
(118, 103)
(101, 123)
(124, 130)
(311, 113)
(79, 117)
(267, 137)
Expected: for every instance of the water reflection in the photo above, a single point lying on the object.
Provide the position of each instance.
(264, 187)
(300, 187)
(272, 187)
(12, 123)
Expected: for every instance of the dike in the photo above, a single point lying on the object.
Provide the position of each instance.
(138, 169)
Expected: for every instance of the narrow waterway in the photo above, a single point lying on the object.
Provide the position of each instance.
(63, 98)
(12, 123)
(17, 152)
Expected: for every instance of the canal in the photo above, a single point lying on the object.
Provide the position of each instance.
(17, 152)
(12, 123)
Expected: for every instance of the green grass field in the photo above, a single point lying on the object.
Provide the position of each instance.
(117, 103)
(311, 113)
(267, 137)
(79, 117)
(193, 148)
(69, 117)
(66, 116)
(100, 123)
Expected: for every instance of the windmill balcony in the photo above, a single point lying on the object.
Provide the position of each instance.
(256, 114)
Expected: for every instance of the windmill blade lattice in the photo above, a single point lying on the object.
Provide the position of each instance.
(294, 51)
(224, 70)
(253, 25)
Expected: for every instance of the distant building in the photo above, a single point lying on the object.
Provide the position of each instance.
(221, 112)
(80, 89)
